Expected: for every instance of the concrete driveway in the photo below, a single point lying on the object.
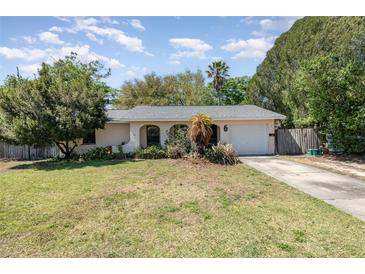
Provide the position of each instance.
(344, 192)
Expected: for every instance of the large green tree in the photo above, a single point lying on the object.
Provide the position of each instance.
(309, 37)
(218, 71)
(234, 90)
(187, 88)
(333, 89)
(65, 102)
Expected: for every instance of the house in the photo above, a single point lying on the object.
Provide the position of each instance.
(249, 128)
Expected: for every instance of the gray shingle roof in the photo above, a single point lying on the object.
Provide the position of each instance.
(184, 113)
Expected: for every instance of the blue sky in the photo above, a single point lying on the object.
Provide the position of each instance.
(134, 46)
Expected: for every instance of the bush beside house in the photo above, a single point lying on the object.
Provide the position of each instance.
(151, 152)
(222, 154)
(192, 143)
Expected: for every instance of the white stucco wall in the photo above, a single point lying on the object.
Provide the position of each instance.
(113, 134)
(143, 136)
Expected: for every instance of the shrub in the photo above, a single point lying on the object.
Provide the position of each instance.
(176, 151)
(98, 153)
(151, 152)
(222, 154)
(195, 158)
(120, 154)
(178, 144)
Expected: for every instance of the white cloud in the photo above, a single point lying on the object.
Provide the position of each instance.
(85, 55)
(248, 49)
(29, 69)
(258, 33)
(49, 55)
(64, 18)
(29, 39)
(23, 54)
(187, 54)
(188, 48)
(113, 63)
(279, 24)
(216, 58)
(90, 25)
(88, 21)
(137, 24)
(248, 20)
(193, 44)
(56, 29)
(92, 37)
(108, 20)
(93, 26)
(49, 37)
(264, 38)
(136, 71)
(174, 62)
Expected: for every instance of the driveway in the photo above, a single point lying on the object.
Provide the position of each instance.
(344, 192)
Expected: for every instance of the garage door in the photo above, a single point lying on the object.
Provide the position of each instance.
(249, 139)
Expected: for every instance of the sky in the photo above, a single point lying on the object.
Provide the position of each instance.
(135, 46)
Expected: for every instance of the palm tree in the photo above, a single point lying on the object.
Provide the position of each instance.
(218, 71)
(200, 131)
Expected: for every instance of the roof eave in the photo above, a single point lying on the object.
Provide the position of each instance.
(188, 119)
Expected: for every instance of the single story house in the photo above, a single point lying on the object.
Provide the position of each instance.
(249, 128)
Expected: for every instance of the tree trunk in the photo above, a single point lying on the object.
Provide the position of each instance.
(219, 96)
(68, 153)
(65, 149)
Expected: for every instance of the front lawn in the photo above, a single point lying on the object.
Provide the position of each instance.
(165, 208)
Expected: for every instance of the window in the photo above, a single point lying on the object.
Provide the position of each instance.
(89, 139)
(153, 135)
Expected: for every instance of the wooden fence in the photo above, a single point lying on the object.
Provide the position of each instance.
(296, 140)
(25, 152)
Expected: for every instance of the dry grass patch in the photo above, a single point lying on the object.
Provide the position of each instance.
(341, 165)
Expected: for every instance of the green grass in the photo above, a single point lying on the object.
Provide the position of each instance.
(164, 208)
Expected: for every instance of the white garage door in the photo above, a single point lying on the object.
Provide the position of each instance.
(249, 139)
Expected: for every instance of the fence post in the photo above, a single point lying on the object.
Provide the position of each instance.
(276, 142)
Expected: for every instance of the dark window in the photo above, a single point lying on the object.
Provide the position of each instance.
(214, 139)
(153, 135)
(89, 139)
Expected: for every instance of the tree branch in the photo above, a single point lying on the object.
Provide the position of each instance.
(60, 147)
(74, 146)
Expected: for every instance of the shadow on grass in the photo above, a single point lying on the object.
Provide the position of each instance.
(50, 165)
